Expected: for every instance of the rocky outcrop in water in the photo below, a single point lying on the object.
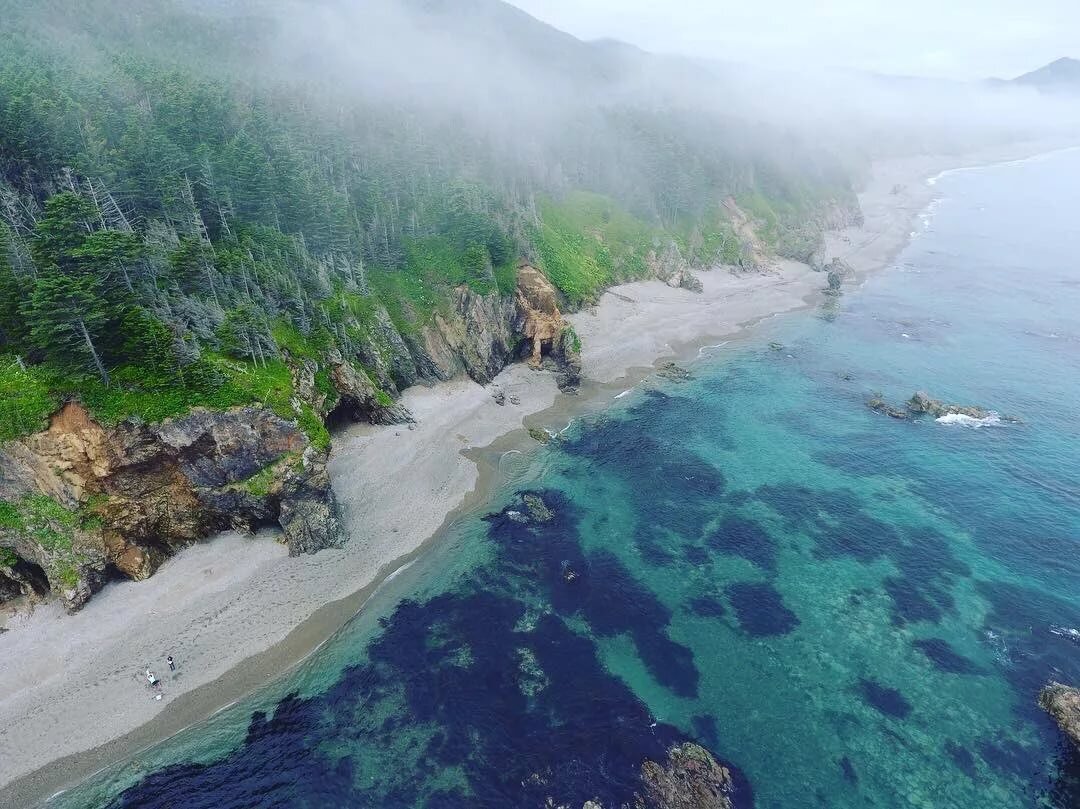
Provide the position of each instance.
(1063, 704)
(691, 778)
(836, 272)
(673, 372)
(922, 404)
(878, 403)
(82, 503)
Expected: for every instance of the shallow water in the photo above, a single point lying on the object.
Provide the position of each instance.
(850, 610)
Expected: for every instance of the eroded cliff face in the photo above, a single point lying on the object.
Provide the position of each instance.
(545, 332)
(475, 337)
(82, 503)
(482, 334)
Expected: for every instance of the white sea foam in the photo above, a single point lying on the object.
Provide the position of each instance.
(626, 392)
(991, 420)
(701, 351)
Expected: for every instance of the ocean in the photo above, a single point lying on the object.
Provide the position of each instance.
(849, 610)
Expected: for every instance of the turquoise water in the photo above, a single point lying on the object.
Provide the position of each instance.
(850, 610)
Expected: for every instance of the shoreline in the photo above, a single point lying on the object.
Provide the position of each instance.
(69, 707)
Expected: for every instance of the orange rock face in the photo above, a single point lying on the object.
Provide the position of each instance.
(538, 307)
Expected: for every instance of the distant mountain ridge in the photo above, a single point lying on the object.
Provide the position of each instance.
(1062, 75)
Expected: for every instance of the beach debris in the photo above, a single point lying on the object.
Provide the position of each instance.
(1063, 704)
(673, 372)
(500, 397)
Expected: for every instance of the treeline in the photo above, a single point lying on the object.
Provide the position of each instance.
(164, 213)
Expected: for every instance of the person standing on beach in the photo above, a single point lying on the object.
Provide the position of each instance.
(171, 662)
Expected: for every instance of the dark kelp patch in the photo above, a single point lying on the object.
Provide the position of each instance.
(885, 700)
(760, 609)
(944, 657)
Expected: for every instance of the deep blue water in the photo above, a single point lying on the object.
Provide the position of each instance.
(850, 610)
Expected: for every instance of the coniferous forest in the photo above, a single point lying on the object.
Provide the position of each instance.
(193, 195)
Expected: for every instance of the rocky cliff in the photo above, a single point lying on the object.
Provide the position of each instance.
(546, 334)
(82, 503)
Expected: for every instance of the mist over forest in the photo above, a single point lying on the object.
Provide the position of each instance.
(185, 186)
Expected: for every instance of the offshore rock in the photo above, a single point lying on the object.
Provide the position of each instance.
(921, 403)
(81, 501)
(536, 507)
(673, 372)
(690, 779)
(1063, 704)
(837, 271)
(879, 404)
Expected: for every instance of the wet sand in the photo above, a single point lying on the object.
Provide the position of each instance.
(236, 612)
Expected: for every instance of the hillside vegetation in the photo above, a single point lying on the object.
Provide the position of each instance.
(194, 196)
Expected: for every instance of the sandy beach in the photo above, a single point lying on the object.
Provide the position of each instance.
(236, 611)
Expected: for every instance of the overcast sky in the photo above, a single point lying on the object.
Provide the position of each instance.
(962, 39)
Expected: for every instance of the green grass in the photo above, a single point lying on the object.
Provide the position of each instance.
(572, 339)
(8, 558)
(259, 484)
(11, 517)
(40, 519)
(586, 242)
(302, 346)
(434, 267)
(26, 401)
(136, 394)
(316, 430)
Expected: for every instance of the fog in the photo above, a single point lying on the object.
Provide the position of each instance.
(489, 64)
(482, 85)
(959, 40)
